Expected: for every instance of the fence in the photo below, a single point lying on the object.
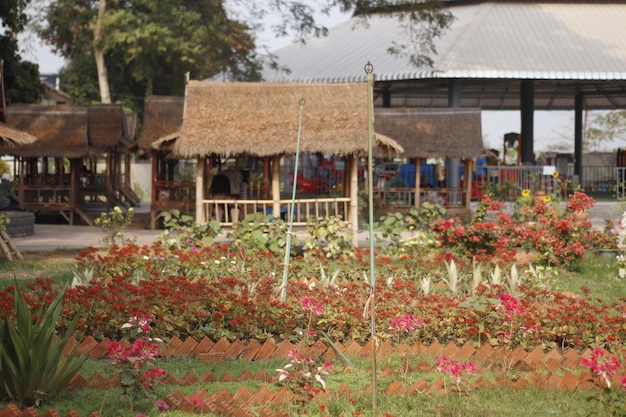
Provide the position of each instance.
(233, 211)
(508, 182)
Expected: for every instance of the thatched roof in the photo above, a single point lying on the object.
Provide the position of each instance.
(105, 125)
(61, 130)
(262, 119)
(162, 116)
(429, 133)
(12, 138)
(66, 131)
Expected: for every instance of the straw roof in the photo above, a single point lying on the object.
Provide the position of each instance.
(61, 130)
(67, 131)
(105, 125)
(429, 133)
(262, 119)
(11, 138)
(162, 116)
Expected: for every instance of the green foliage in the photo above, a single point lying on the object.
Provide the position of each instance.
(189, 231)
(392, 225)
(261, 232)
(13, 14)
(332, 234)
(4, 222)
(32, 365)
(112, 224)
(21, 78)
(146, 48)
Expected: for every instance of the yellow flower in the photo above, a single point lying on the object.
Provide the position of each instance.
(547, 199)
(525, 192)
(555, 174)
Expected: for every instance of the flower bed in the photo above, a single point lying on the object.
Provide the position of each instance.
(246, 305)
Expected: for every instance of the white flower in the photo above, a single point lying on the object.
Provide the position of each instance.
(321, 381)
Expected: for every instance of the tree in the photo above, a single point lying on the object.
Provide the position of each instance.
(155, 42)
(21, 78)
(606, 127)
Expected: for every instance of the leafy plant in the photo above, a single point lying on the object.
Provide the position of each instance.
(33, 368)
(261, 232)
(133, 362)
(304, 376)
(331, 234)
(189, 232)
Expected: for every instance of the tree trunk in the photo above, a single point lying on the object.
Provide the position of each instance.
(103, 82)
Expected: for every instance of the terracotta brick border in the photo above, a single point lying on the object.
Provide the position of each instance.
(545, 370)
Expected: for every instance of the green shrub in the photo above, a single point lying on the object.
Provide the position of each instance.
(188, 231)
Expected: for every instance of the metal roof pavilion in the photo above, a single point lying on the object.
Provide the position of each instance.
(566, 48)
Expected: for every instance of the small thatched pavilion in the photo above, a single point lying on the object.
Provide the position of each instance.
(262, 120)
(77, 135)
(434, 133)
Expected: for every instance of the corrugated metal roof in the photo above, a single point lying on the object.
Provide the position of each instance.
(567, 47)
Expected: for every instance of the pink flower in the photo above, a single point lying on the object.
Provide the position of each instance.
(604, 367)
(512, 306)
(154, 374)
(406, 323)
(144, 350)
(142, 323)
(311, 306)
(162, 405)
(296, 357)
(455, 369)
(117, 352)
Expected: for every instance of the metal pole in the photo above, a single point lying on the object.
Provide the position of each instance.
(293, 205)
(369, 70)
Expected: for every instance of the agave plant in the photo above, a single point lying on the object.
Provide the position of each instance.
(33, 368)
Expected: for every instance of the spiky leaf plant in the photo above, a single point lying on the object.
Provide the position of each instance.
(33, 367)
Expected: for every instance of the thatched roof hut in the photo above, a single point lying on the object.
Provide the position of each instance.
(12, 138)
(67, 131)
(262, 119)
(431, 133)
(163, 115)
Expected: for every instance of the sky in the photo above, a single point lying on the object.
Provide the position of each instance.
(551, 128)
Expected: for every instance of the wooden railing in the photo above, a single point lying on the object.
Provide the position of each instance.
(169, 195)
(228, 212)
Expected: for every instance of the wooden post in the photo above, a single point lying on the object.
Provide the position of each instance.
(200, 169)
(353, 166)
(468, 170)
(276, 185)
